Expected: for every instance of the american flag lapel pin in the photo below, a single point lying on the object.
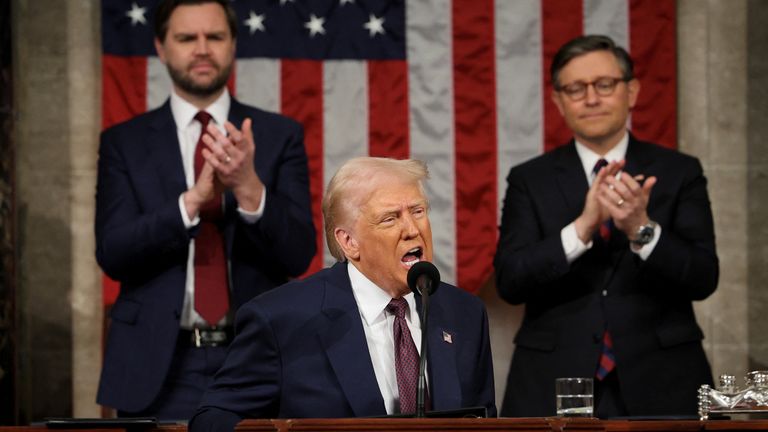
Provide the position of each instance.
(447, 337)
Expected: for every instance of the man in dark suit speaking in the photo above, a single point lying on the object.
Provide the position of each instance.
(201, 205)
(607, 241)
(333, 345)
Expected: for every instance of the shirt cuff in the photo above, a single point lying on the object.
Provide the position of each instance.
(251, 217)
(645, 251)
(572, 244)
(184, 217)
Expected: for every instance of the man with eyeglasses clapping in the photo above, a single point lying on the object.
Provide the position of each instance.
(607, 241)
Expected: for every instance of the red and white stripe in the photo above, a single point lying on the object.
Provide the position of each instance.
(472, 100)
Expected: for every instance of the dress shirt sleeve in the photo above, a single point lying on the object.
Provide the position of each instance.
(251, 217)
(572, 244)
(185, 217)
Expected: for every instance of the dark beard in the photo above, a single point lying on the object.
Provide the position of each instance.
(185, 83)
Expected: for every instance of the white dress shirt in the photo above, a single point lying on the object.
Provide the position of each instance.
(572, 244)
(188, 132)
(378, 324)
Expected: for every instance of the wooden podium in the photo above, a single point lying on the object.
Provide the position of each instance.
(545, 424)
(548, 424)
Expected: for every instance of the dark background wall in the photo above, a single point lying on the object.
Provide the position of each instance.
(7, 328)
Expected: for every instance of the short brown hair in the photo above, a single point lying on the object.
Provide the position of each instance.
(166, 7)
(586, 44)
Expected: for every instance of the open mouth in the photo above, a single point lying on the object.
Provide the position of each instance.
(412, 256)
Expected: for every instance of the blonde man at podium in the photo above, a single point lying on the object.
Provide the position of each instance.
(342, 343)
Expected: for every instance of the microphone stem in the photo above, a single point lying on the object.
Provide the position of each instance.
(421, 388)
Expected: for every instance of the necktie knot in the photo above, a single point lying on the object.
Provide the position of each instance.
(397, 307)
(599, 164)
(204, 118)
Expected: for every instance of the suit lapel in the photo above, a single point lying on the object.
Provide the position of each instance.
(345, 345)
(162, 145)
(237, 113)
(638, 158)
(571, 179)
(444, 387)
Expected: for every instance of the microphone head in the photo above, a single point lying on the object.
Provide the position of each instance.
(426, 269)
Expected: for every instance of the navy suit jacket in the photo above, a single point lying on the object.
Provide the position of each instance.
(300, 351)
(646, 305)
(141, 240)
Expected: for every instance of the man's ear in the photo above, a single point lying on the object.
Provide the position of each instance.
(633, 89)
(160, 49)
(558, 103)
(347, 243)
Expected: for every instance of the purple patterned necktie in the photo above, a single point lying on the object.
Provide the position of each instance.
(406, 357)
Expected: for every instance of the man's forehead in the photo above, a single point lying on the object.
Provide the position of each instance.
(207, 17)
(590, 65)
(396, 196)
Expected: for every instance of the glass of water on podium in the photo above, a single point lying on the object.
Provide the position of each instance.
(574, 397)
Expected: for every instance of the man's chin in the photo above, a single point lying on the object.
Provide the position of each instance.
(203, 90)
(202, 86)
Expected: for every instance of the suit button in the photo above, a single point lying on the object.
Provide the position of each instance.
(605, 293)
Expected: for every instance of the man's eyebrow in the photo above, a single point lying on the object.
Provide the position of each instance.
(193, 34)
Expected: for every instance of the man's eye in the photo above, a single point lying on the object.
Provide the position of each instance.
(574, 88)
(604, 84)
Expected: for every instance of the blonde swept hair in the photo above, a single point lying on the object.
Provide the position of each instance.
(352, 185)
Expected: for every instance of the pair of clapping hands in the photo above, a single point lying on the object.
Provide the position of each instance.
(615, 195)
(228, 165)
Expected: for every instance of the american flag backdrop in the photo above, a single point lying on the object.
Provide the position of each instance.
(461, 84)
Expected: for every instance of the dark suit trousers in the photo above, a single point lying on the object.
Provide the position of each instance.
(608, 400)
(192, 370)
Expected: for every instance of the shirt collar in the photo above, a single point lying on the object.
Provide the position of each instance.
(372, 300)
(184, 112)
(589, 158)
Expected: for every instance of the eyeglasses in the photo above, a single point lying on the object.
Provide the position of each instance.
(604, 86)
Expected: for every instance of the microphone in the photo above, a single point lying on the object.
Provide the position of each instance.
(423, 279)
(423, 276)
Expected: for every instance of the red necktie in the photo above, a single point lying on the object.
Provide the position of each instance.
(605, 227)
(211, 292)
(406, 357)
(607, 360)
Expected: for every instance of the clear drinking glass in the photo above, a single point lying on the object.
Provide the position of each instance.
(574, 397)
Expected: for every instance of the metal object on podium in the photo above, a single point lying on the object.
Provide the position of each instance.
(727, 398)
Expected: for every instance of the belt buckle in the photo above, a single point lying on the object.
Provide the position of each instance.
(197, 337)
(208, 338)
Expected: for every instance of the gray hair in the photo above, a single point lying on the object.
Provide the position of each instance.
(354, 182)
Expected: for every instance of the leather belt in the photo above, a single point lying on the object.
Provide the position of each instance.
(202, 338)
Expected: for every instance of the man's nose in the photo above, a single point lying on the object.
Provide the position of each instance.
(201, 45)
(592, 97)
(410, 229)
